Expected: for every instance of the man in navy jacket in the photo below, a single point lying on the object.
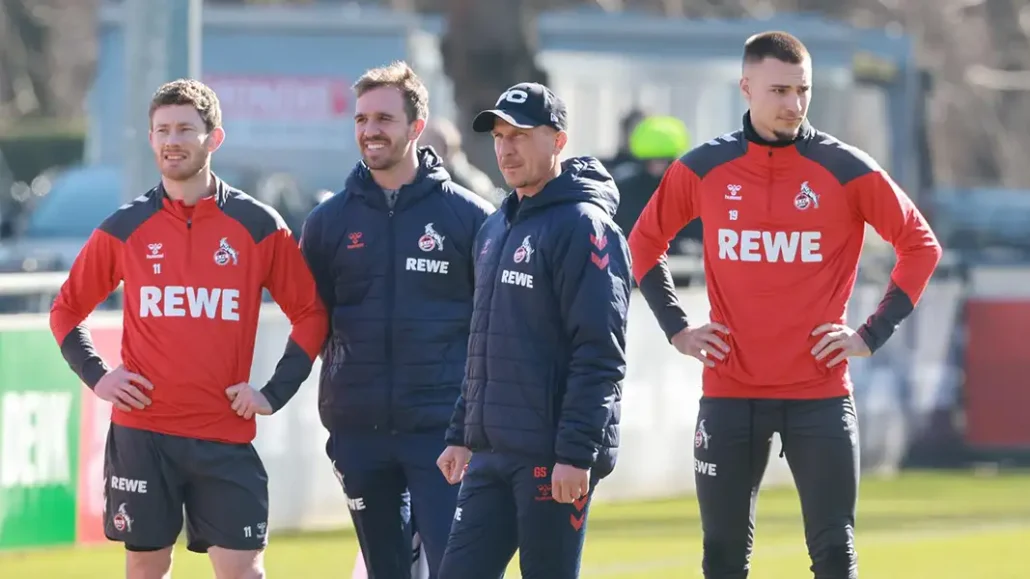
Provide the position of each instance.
(392, 258)
(537, 423)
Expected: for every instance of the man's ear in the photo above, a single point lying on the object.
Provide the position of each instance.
(560, 140)
(745, 88)
(415, 131)
(215, 139)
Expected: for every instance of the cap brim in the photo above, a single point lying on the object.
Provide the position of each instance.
(484, 121)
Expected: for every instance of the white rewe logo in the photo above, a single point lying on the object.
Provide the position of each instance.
(518, 278)
(225, 253)
(705, 468)
(176, 301)
(129, 485)
(427, 265)
(430, 240)
(770, 246)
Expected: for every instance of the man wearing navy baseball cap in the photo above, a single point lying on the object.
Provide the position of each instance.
(525, 106)
(537, 422)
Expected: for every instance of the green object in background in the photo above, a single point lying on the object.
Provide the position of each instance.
(39, 442)
(659, 138)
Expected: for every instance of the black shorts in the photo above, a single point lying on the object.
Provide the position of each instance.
(149, 478)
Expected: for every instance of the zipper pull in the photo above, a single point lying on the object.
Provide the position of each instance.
(390, 214)
(189, 223)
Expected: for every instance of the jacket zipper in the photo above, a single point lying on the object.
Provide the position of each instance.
(769, 193)
(189, 242)
(391, 297)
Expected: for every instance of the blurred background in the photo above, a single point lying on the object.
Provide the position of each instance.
(937, 91)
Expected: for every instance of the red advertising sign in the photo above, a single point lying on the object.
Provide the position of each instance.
(281, 98)
(997, 366)
(285, 112)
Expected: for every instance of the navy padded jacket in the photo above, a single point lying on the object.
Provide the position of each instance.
(397, 284)
(547, 350)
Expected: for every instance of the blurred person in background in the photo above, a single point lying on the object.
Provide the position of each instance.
(194, 254)
(655, 143)
(623, 154)
(445, 139)
(392, 257)
(785, 208)
(537, 425)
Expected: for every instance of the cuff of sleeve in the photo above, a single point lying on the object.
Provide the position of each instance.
(269, 393)
(673, 326)
(875, 333)
(580, 464)
(93, 370)
(454, 437)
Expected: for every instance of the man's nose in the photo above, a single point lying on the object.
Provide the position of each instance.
(175, 138)
(372, 129)
(504, 148)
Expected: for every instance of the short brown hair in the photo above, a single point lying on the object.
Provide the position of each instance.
(400, 76)
(194, 93)
(779, 45)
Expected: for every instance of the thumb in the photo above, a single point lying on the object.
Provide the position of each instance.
(232, 391)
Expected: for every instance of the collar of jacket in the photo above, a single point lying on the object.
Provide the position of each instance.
(431, 173)
(804, 132)
(583, 179)
(205, 206)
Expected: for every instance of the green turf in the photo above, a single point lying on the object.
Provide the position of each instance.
(939, 526)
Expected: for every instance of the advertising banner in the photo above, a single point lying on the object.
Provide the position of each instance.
(296, 112)
(39, 441)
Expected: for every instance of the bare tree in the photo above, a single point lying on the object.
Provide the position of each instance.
(47, 56)
(23, 46)
(489, 45)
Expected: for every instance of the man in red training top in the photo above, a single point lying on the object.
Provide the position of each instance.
(194, 255)
(784, 209)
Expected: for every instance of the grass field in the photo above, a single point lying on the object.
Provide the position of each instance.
(925, 525)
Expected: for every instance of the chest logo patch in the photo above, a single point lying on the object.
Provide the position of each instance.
(806, 198)
(430, 240)
(226, 253)
(524, 252)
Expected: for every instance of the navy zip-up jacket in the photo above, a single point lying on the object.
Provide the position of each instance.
(547, 351)
(398, 288)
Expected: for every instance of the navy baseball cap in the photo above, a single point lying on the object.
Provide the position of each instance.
(525, 105)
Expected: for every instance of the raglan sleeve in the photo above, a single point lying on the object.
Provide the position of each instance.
(455, 434)
(480, 212)
(673, 205)
(593, 284)
(312, 247)
(885, 206)
(293, 287)
(95, 273)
